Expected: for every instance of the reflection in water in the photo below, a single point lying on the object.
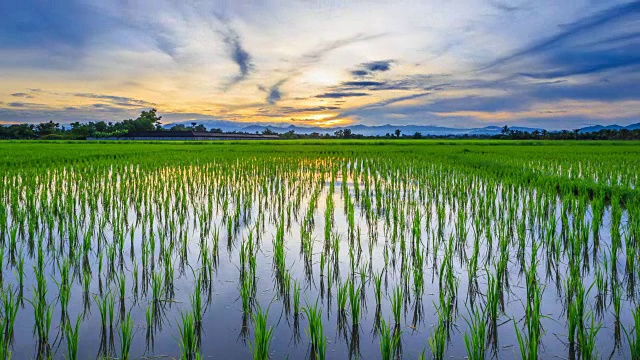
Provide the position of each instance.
(400, 258)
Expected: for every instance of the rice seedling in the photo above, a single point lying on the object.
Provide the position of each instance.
(126, 336)
(389, 341)
(377, 281)
(10, 306)
(354, 302)
(396, 305)
(315, 331)
(633, 335)
(263, 335)
(587, 338)
(476, 339)
(72, 335)
(188, 336)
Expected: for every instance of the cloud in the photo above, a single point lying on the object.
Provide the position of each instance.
(363, 83)
(313, 57)
(22, 95)
(238, 54)
(508, 8)
(273, 93)
(374, 66)
(369, 68)
(572, 31)
(338, 95)
(116, 100)
(319, 53)
(359, 73)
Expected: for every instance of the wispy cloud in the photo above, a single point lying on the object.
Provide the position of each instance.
(338, 95)
(116, 100)
(238, 54)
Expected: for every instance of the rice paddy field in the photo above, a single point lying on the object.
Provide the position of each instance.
(320, 250)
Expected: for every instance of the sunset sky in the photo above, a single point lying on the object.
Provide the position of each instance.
(551, 64)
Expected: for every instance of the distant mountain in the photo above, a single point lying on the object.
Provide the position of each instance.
(597, 128)
(376, 130)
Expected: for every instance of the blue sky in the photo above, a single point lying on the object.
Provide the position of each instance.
(551, 64)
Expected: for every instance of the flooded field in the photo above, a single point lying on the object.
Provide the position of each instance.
(319, 250)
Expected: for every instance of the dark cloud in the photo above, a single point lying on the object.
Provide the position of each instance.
(116, 100)
(372, 67)
(274, 95)
(22, 95)
(572, 31)
(337, 95)
(288, 110)
(17, 104)
(359, 73)
(588, 62)
(238, 54)
(363, 83)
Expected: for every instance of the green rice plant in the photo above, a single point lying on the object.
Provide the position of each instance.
(633, 335)
(529, 340)
(103, 304)
(587, 338)
(196, 302)
(19, 268)
(492, 297)
(111, 306)
(389, 341)
(476, 339)
(10, 306)
(157, 288)
(86, 281)
(149, 317)
(315, 331)
(246, 293)
(263, 335)
(342, 297)
(354, 302)
(438, 341)
(188, 336)
(396, 304)
(72, 334)
(123, 289)
(126, 336)
(616, 298)
(42, 314)
(377, 281)
(296, 298)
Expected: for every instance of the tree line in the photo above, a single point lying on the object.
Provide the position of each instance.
(147, 121)
(150, 121)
